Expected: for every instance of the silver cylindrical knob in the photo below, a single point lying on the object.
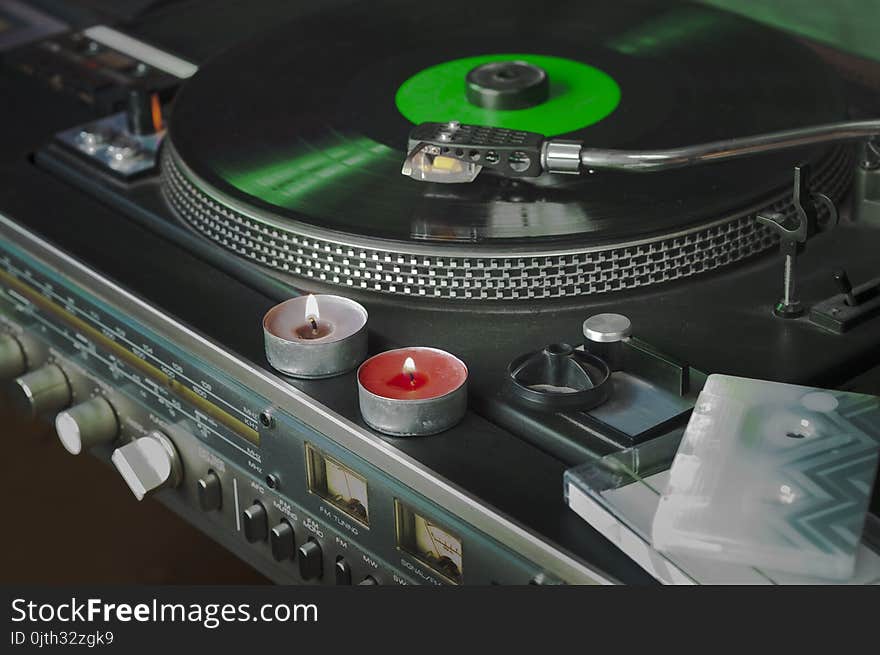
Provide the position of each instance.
(148, 464)
(12, 359)
(41, 392)
(607, 328)
(86, 425)
(604, 336)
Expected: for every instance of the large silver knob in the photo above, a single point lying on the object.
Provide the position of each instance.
(41, 392)
(148, 464)
(86, 425)
(12, 359)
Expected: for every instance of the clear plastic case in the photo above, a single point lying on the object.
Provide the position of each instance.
(619, 495)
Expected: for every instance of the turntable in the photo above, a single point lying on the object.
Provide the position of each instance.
(307, 184)
(720, 202)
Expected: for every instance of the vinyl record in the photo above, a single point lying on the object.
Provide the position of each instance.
(301, 133)
(311, 121)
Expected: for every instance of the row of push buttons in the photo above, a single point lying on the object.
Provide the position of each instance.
(309, 556)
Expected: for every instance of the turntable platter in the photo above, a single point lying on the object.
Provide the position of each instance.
(289, 147)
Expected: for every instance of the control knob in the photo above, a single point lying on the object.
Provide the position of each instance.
(311, 560)
(210, 492)
(41, 392)
(255, 521)
(88, 424)
(12, 359)
(281, 541)
(148, 464)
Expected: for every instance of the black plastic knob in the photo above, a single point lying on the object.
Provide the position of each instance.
(281, 542)
(343, 572)
(311, 560)
(256, 523)
(210, 492)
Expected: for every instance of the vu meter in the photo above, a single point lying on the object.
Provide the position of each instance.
(429, 542)
(338, 484)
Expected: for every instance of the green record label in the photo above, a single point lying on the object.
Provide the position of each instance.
(580, 95)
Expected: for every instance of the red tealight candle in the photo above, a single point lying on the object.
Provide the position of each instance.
(413, 391)
(409, 378)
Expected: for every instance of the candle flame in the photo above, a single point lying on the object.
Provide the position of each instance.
(312, 312)
(409, 366)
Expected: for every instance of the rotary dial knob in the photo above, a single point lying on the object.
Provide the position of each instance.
(86, 425)
(12, 358)
(148, 464)
(42, 392)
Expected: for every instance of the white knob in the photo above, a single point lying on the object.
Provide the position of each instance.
(86, 425)
(148, 464)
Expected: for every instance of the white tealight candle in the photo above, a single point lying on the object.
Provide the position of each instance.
(316, 336)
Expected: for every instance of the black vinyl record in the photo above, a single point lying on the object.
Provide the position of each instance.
(304, 124)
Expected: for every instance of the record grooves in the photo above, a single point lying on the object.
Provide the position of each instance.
(309, 184)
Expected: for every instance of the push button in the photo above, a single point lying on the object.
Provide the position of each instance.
(343, 572)
(311, 560)
(210, 492)
(256, 523)
(281, 541)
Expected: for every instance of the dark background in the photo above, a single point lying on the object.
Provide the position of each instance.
(70, 520)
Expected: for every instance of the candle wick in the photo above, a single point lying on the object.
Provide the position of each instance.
(412, 378)
(314, 323)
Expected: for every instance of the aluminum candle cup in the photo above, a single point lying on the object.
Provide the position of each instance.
(412, 391)
(316, 336)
